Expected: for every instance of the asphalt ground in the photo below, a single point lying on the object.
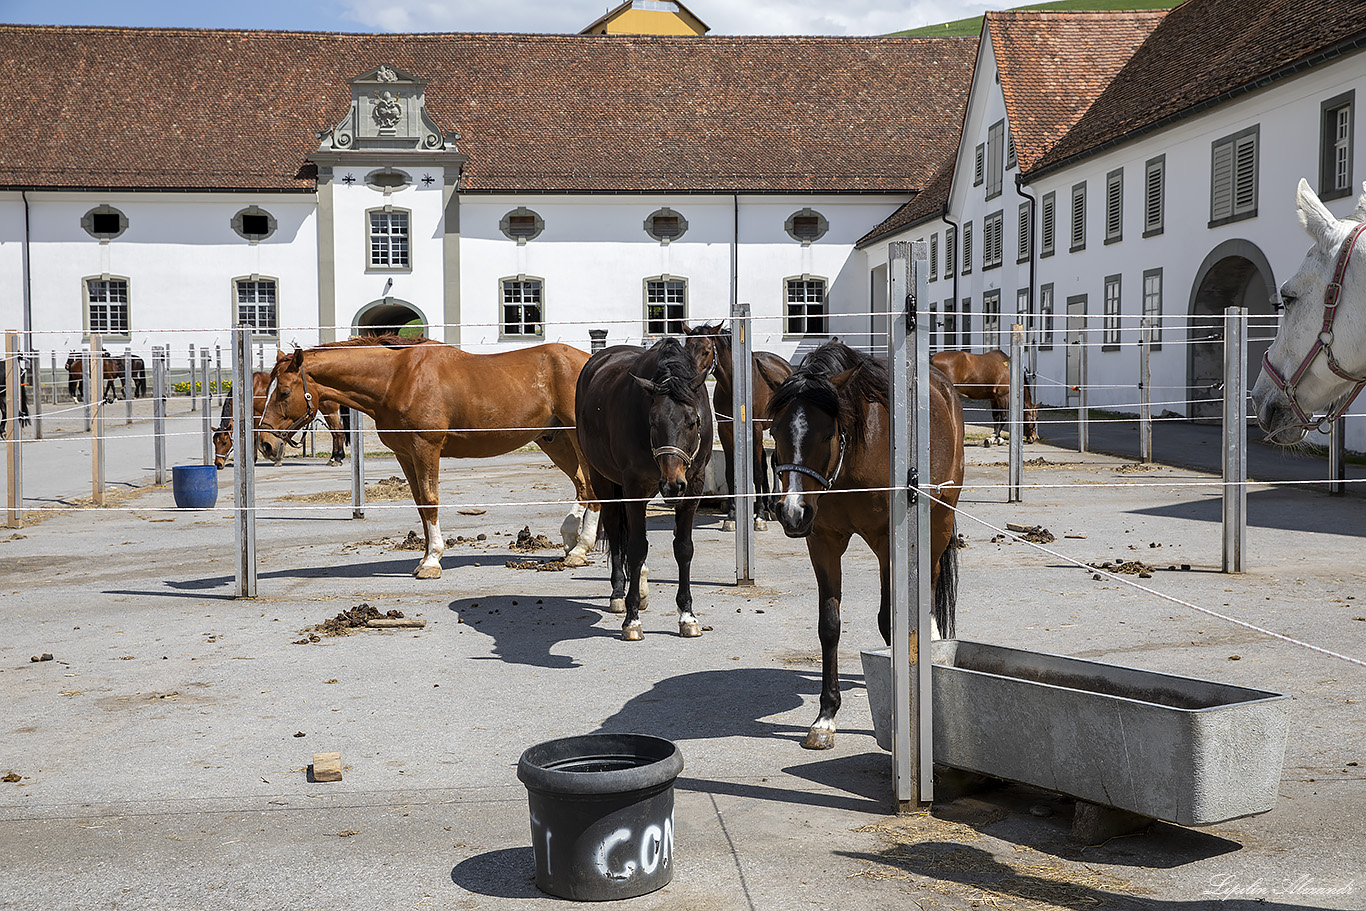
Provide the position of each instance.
(162, 755)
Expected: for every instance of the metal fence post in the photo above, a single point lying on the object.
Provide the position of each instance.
(14, 455)
(95, 366)
(1016, 415)
(218, 374)
(244, 463)
(86, 387)
(742, 426)
(1145, 397)
(194, 395)
(1083, 398)
(35, 372)
(1337, 457)
(1235, 439)
(597, 340)
(206, 418)
(127, 386)
(357, 464)
(159, 412)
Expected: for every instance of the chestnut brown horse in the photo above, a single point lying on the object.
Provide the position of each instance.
(113, 370)
(268, 444)
(830, 429)
(713, 335)
(646, 428)
(430, 400)
(987, 377)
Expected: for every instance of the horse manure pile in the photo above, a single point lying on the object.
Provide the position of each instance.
(1034, 534)
(414, 541)
(461, 539)
(1136, 468)
(1125, 568)
(391, 488)
(526, 541)
(545, 566)
(347, 622)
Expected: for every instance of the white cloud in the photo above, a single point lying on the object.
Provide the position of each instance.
(726, 17)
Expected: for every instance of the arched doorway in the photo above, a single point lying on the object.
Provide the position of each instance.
(389, 314)
(1235, 274)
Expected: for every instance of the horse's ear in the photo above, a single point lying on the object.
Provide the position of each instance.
(648, 385)
(1360, 213)
(1314, 215)
(840, 380)
(772, 377)
(684, 329)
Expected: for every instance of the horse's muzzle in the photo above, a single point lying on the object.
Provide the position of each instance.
(796, 519)
(672, 488)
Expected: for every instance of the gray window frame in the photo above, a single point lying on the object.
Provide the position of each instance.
(503, 323)
(370, 265)
(950, 250)
(239, 219)
(790, 226)
(505, 224)
(88, 222)
(934, 256)
(1112, 318)
(1024, 233)
(1154, 198)
(965, 324)
(979, 165)
(1046, 322)
(665, 212)
(1328, 141)
(107, 334)
(995, 158)
(1152, 317)
(256, 331)
(967, 247)
(993, 240)
(991, 319)
(666, 319)
(789, 317)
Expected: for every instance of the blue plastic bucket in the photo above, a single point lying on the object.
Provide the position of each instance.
(194, 486)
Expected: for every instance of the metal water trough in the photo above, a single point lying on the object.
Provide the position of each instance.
(1187, 751)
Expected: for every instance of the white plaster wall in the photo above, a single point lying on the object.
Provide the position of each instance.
(179, 255)
(357, 285)
(594, 257)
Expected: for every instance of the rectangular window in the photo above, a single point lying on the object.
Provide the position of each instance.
(1024, 231)
(256, 305)
(1154, 191)
(1046, 316)
(950, 247)
(991, 319)
(1152, 307)
(805, 307)
(108, 306)
(965, 323)
(522, 308)
(1078, 218)
(1233, 177)
(1110, 328)
(992, 239)
(979, 164)
(995, 157)
(935, 327)
(666, 306)
(1335, 143)
(934, 256)
(967, 247)
(389, 240)
(1114, 206)
(950, 324)
(1048, 223)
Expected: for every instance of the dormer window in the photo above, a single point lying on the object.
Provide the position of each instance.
(666, 225)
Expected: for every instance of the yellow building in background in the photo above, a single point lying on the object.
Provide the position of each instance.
(648, 17)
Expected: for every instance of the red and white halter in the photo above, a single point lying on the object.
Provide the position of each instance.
(1323, 343)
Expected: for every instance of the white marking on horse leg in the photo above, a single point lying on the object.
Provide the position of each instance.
(569, 528)
(644, 587)
(584, 525)
(430, 567)
(688, 627)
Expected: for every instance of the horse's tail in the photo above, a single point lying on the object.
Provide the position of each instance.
(945, 609)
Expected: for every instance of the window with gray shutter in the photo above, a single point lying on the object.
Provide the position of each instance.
(1233, 177)
(950, 248)
(934, 256)
(995, 157)
(1152, 307)
(1154, 190)
(1048, 221)
(1078, 218)
(992, 239)
(967, 247)
(991, 319)
(1024, 231)
(979, 165)
(1114, 206)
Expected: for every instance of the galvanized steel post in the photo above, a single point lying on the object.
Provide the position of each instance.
(206, 418)
(14, 456)
(95, 408)
(1083, 398)
(1235, 438)
(742, 426)
(244, 461)
(159, 412)
(1145, 397)
(1337, 457)
(357, 464)
(1016, 414)
(127, 386)
(35, 372)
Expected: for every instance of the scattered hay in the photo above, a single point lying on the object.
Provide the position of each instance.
(391, 488)
(545, 566)
(1126, 568)
(1136, 468)
(526, 541)
(346, 623)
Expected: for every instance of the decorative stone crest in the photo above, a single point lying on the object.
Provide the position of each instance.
(388, 112)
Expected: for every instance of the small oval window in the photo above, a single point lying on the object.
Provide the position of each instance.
(104, 222)
(666, 225)
(807, 226)
(521, 225)
(254, 223)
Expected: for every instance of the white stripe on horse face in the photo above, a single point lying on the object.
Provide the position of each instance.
(793, 501)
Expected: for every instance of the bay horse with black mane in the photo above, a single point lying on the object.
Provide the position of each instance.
(21, 413)
(830, 429)
(646, 428)
(720, 340)
(987, 377)
(430, 400)
(268, 444)
(113, 370)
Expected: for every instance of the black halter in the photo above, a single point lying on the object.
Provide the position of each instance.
(825, 482)
(310, 410)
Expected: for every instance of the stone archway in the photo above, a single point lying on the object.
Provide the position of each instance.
(389, 314)
(1235, 274)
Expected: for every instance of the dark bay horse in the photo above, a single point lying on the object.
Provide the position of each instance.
(776, 365)
(830, 429)
(646, 427)
(430, 400)
(113, 370)
(22, 413)
(268, 444)
(987, 377)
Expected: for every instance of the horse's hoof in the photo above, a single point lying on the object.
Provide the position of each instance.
(577, 559)
(728, 525)
(618, 606)
(632, 633)
(332, 463)
(689, 629)
(818, 740)
(760, 525)
(427, 572)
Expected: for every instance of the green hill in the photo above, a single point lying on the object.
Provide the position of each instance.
(971, 28)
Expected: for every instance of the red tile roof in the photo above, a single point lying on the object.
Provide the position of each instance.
(1207, 51)
(1054, 65)
(201, 109)
(929, 203)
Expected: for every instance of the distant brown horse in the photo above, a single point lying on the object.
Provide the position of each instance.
(720, 340)
(830, 429)
(432, 400)
(268, 444)
(987, 377)
(646, 429)
(113, 370)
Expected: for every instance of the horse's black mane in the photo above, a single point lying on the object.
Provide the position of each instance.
(675, 372)
(811, 384)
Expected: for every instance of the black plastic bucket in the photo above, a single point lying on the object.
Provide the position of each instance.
(602, 810)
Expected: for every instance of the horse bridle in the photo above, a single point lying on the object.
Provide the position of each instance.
(310, 410)
(1323, 343)
(826, 482)
(687, 457)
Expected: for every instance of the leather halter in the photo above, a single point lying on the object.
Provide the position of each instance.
(825, 482)
(675, 451)
(310, 410)
(1324, 343)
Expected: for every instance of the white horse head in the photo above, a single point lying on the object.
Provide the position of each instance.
(1318, 359)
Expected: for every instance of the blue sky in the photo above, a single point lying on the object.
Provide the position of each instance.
(726, 17)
